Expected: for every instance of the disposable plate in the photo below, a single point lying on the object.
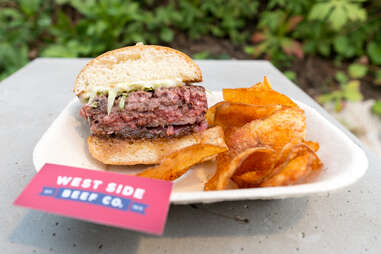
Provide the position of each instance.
(65, 142)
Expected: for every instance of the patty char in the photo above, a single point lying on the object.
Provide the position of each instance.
(161, 113)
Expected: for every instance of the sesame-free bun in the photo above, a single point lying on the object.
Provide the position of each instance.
(114, 151)
(135, 64)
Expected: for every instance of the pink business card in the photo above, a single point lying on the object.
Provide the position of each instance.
(103, 197)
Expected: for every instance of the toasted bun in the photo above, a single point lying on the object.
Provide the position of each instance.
(123, 152)
(135, 64)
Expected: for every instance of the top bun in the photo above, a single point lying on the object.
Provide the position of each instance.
(134, 64)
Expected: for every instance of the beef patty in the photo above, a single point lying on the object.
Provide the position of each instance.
(161, 113)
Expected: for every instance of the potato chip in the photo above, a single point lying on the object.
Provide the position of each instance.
(243, 112)
(212, 136)
(261, 86)
(259, 94)
(257, 98)
(283, 127)
(289, 152)
(229, 114)
(250, 179)
(210, 114)
(226, 166)
(257, 166)
(258, 86)
(313, 145)
(266, 84)
(177, 163)
(274, 132)
(253, 178)
(296, 171)
(263, 159)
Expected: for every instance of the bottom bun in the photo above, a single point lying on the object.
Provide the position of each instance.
(115, 151)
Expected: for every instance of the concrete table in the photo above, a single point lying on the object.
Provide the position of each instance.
(347, 221)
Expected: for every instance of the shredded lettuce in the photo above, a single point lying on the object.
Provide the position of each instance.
(148, 89)
(111, 99)
(111, 94)
(122, 101)
(92, 97)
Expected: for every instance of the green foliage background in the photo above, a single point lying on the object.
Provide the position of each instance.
(275, 29)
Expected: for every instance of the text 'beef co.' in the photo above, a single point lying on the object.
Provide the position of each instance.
(93, 191)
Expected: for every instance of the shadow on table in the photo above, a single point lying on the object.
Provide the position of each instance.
(52, 233)
(256, 217)
(47, 232)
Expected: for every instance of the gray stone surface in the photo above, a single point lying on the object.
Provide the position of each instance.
(346, 221)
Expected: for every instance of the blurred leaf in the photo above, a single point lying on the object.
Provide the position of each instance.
(343, 46)
(260, 48)
(357, 70)
(292, 47)
(249, 50)
(349, 92)
(258, 37)
(352, 91)
(355, 12)
(224, 56)
(374, 51)
(338, 18)
(201, 55)
(290, 75)
(320, 11)
(341, 77)
(338, 12)
(293, 22)
(101, 26)
(13, 58)
(44, 21)
(271, 20)
(86, 7)
(376, 108)
(166, 35)
(324, 48)
(11, 17)
(335, 95)
(377, 80)
(58, 51)
(217, 31)
(29, 7)
(63, 21)
(339, 105)
(62, 1)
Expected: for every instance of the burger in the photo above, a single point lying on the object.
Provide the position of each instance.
(141, 103)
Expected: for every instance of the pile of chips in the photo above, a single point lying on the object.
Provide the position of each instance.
(265, 132)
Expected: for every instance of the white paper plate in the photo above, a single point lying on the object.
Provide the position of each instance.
(65, 142)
